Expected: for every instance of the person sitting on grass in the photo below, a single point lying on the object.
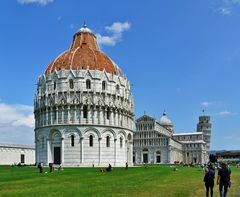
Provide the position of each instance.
(109, 168)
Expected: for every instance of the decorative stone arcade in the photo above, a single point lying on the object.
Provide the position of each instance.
(84, 108)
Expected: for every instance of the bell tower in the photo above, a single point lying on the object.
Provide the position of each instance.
(205, 126)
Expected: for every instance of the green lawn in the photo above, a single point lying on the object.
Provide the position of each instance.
(137, 181)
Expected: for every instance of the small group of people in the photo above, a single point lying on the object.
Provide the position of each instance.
(51, 167)
(223, 179)
(108, 169)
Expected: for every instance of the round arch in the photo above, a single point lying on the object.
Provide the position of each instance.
(111, 131)
(92, 129)
(123, 133)
(73, 131)
(54, 130)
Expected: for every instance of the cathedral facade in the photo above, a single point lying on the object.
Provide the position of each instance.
(155, 142)
(84, 108)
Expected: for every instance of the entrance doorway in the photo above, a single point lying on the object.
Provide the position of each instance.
(57, 155)
(22, 158)
(158, 159)
(145, 158)
(195, 160)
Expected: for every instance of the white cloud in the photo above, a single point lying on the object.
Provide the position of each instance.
(226, 113)
(118, 27)
(225, 11)
(226, 7)
(232, 137)
(116, 30)
(16, 123)
(41, 2)
(205, 104)
(16, 115)
(231, 1)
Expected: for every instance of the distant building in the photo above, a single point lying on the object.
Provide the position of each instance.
(228, 156)
(156, 142)
(16, 153)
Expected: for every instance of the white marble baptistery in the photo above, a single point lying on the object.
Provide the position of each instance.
(83, 108)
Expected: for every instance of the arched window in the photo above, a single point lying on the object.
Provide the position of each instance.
(117, 88)
(54, 85)
(54, 114)
(88, 84)
(108, 113)
(121, 142)
(85, 111)
(104, 85)
(72, 140)
(71, 84)
(91, 141)
(107, 141)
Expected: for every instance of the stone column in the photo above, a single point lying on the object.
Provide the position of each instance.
(99, 151)
(75, 114)
(111, 121)
(37, 151)
(94, 118)
(51, 115)
(48, 151)
(81, 114)
(116, 117)
(105, 115)
(101, 115)
(63, 114)
(46, 115)
(62, 152)
(89, 114)
(81, 150)
(68, 114)
(57, 115)
(115, 152)
(154, 156)
(126, 151)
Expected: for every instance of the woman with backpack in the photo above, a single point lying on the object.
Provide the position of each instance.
(209, 179)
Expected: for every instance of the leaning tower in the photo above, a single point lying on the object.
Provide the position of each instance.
(83, 108)
(205, 126)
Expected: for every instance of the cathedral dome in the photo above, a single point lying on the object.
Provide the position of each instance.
(83, 54)
(164, 120)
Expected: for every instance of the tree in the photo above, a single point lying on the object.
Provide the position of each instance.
(212, 158)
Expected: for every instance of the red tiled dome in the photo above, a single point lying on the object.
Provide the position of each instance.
(83, 54)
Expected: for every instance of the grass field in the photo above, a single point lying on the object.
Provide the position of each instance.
(137, 181)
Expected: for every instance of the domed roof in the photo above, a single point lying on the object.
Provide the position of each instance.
(164, 120)
(83, 54)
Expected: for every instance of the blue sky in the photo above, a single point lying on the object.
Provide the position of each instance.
(180, 56)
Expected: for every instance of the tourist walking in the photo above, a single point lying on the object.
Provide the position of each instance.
(209, 179)
(40, 167)
(223, 179)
